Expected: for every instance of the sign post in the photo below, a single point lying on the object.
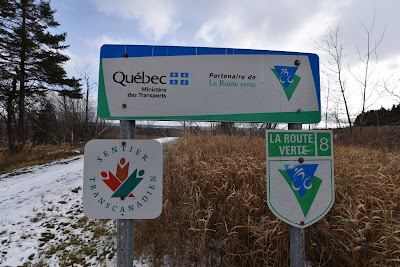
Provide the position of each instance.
(297, 235)
(123, 181)
(125, 227)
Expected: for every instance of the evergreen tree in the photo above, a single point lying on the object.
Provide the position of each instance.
(380, 117)
(30, 53)
(45, 126)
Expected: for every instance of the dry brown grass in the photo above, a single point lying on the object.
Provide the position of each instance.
(40, 154)
(215, 211)
(35, 155)
(383, 137)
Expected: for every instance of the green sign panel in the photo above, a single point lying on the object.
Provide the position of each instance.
(300, 185)
(293, 143)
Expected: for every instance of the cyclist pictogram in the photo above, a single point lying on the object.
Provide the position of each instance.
(287, 78)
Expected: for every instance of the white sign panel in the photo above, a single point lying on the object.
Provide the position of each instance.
(122, 179)
(300, 181)
(193, 83)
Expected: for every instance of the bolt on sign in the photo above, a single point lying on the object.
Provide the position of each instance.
(208, 84)
(300, 183)
(122, 179)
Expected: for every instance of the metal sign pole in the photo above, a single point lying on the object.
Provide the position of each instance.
(297, 236)
(127, 130)
(297, 247)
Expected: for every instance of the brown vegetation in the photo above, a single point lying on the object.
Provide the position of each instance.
(382, 137)
(215, 211)
(36, 155)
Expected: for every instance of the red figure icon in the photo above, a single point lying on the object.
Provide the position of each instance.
(114, 182)
(122, 171)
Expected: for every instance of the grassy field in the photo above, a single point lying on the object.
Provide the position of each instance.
(36, 155)
(215, 211)
(41, 154)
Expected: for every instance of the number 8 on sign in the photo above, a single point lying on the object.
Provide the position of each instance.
(324, 144)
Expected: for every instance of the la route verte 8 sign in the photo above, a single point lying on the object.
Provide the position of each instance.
(122, 179)
(300, 180)
(208, 84)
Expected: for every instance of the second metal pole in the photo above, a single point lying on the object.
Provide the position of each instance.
(127, 130)
(297, 235)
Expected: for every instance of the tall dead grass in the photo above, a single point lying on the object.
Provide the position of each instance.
(215, 211)
(35, 155)
(382, 137)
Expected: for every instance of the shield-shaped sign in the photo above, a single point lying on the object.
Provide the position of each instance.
(300, 183)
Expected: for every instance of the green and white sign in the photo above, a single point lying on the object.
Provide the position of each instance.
(208, 84)
(300, 181)
(122, 179)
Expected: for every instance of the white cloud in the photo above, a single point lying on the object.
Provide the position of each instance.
(288, 25)
(266, 25)
(99, 41)
(156, 18)
(80, 62)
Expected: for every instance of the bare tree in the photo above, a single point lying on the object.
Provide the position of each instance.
(369, 60)
(392, 87)
(186, 125)
(85, 75)
(333, 46)
(327, 98)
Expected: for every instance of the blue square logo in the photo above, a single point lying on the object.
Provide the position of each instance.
(173, 82)
(173, 74)
(184, 82)
(184, 75)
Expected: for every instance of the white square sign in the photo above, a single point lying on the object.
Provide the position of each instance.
(122, 179)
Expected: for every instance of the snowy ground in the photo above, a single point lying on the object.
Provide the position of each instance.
(42, 223)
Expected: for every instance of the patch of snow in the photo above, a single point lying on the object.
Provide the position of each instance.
(166, 139)
(41, 208)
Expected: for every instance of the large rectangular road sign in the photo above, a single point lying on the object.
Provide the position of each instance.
(300, 183)
(208, 84)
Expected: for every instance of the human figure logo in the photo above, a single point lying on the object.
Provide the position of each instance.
(121, 183)
(287, 78)
(303, 183)
(122, 179)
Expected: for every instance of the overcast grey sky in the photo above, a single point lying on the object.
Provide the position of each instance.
(286, 25)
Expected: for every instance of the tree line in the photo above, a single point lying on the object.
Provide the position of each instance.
(341, 78)
(39, 102)
(380, 117)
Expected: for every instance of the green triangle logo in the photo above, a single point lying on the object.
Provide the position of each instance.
(288, 84)
(309, 196)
